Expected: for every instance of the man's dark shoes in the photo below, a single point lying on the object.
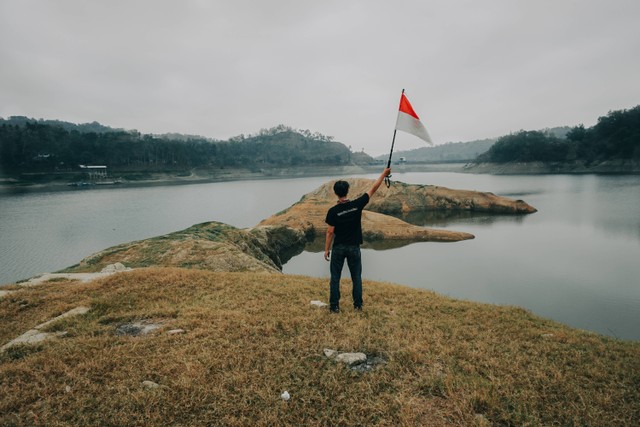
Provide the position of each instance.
(334, 309)
(357, 308)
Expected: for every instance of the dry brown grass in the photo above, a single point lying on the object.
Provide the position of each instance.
(249, 336)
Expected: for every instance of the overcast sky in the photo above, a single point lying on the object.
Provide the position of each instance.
(472, 69)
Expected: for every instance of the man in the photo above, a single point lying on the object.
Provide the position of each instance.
(345, 234)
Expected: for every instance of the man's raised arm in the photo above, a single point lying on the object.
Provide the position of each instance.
(386, 172)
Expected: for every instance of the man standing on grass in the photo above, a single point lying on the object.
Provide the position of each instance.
(345, 233)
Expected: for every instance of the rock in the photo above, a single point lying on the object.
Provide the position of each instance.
(381, 219)
(279, 243)
(330, 353)
(309, 213)
(56, 277)
(369, 365)
(67, 389)
(351, 359)
(319, 303)
(115, 268)
(285, 395)
(32, 336)
(5, 293)
(35, 335)
(358, 362)
(176, 332)
(150, 385)
(137, 328)
(481, 420)
(210, 246)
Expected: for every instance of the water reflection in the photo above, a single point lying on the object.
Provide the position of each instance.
(317, 245)
(441, 218)
(433, 219)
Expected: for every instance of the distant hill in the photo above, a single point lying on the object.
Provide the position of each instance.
(28, 145)
(616, 136)
(459, 152)
(450, 152)
(95, 127)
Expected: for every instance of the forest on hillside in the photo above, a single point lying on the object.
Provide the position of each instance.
(615, 136)
(50, 146)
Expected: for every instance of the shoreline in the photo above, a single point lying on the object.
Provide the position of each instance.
(615, 167)
(12, 186)
(230, 175)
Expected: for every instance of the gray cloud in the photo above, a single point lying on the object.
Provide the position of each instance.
(471, 69)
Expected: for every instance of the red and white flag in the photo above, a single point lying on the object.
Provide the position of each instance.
(408, 121)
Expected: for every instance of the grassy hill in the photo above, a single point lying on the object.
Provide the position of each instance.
(247, 337)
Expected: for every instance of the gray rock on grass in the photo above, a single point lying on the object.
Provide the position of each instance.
(359, 362)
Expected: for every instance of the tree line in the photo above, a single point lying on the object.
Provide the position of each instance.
(28, 145)
(615, 136)
(36, 146)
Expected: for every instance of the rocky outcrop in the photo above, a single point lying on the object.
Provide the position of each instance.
(379, 220)
(403, 198)
(212, 246)
(220, 247)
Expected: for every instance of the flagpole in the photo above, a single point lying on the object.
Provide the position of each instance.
(387, 179)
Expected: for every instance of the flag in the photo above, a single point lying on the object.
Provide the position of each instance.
(408, 121)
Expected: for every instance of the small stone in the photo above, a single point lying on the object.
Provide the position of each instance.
(113, 268)
(176, 332)
(318, 303)
(67, 389)
(547, 336)
(481, 420)
(150, 385)
(32, 336)
(35, 335)
(137, 328)
(372, 362)
(285, 395)
(351, 359)
(5, 293)
(330, 353)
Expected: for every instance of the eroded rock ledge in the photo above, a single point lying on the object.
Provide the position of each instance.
(211, 246)
(379, 221)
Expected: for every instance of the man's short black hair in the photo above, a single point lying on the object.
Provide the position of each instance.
(341, 188)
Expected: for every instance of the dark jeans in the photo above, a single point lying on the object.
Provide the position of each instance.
(352, 254)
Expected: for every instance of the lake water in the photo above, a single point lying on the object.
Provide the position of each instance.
(577, 260)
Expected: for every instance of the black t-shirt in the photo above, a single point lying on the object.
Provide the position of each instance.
(346, 218)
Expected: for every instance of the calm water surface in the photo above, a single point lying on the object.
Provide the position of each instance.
(577, 260)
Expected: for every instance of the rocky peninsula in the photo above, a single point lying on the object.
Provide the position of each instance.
(266, 247)
(381, 219)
